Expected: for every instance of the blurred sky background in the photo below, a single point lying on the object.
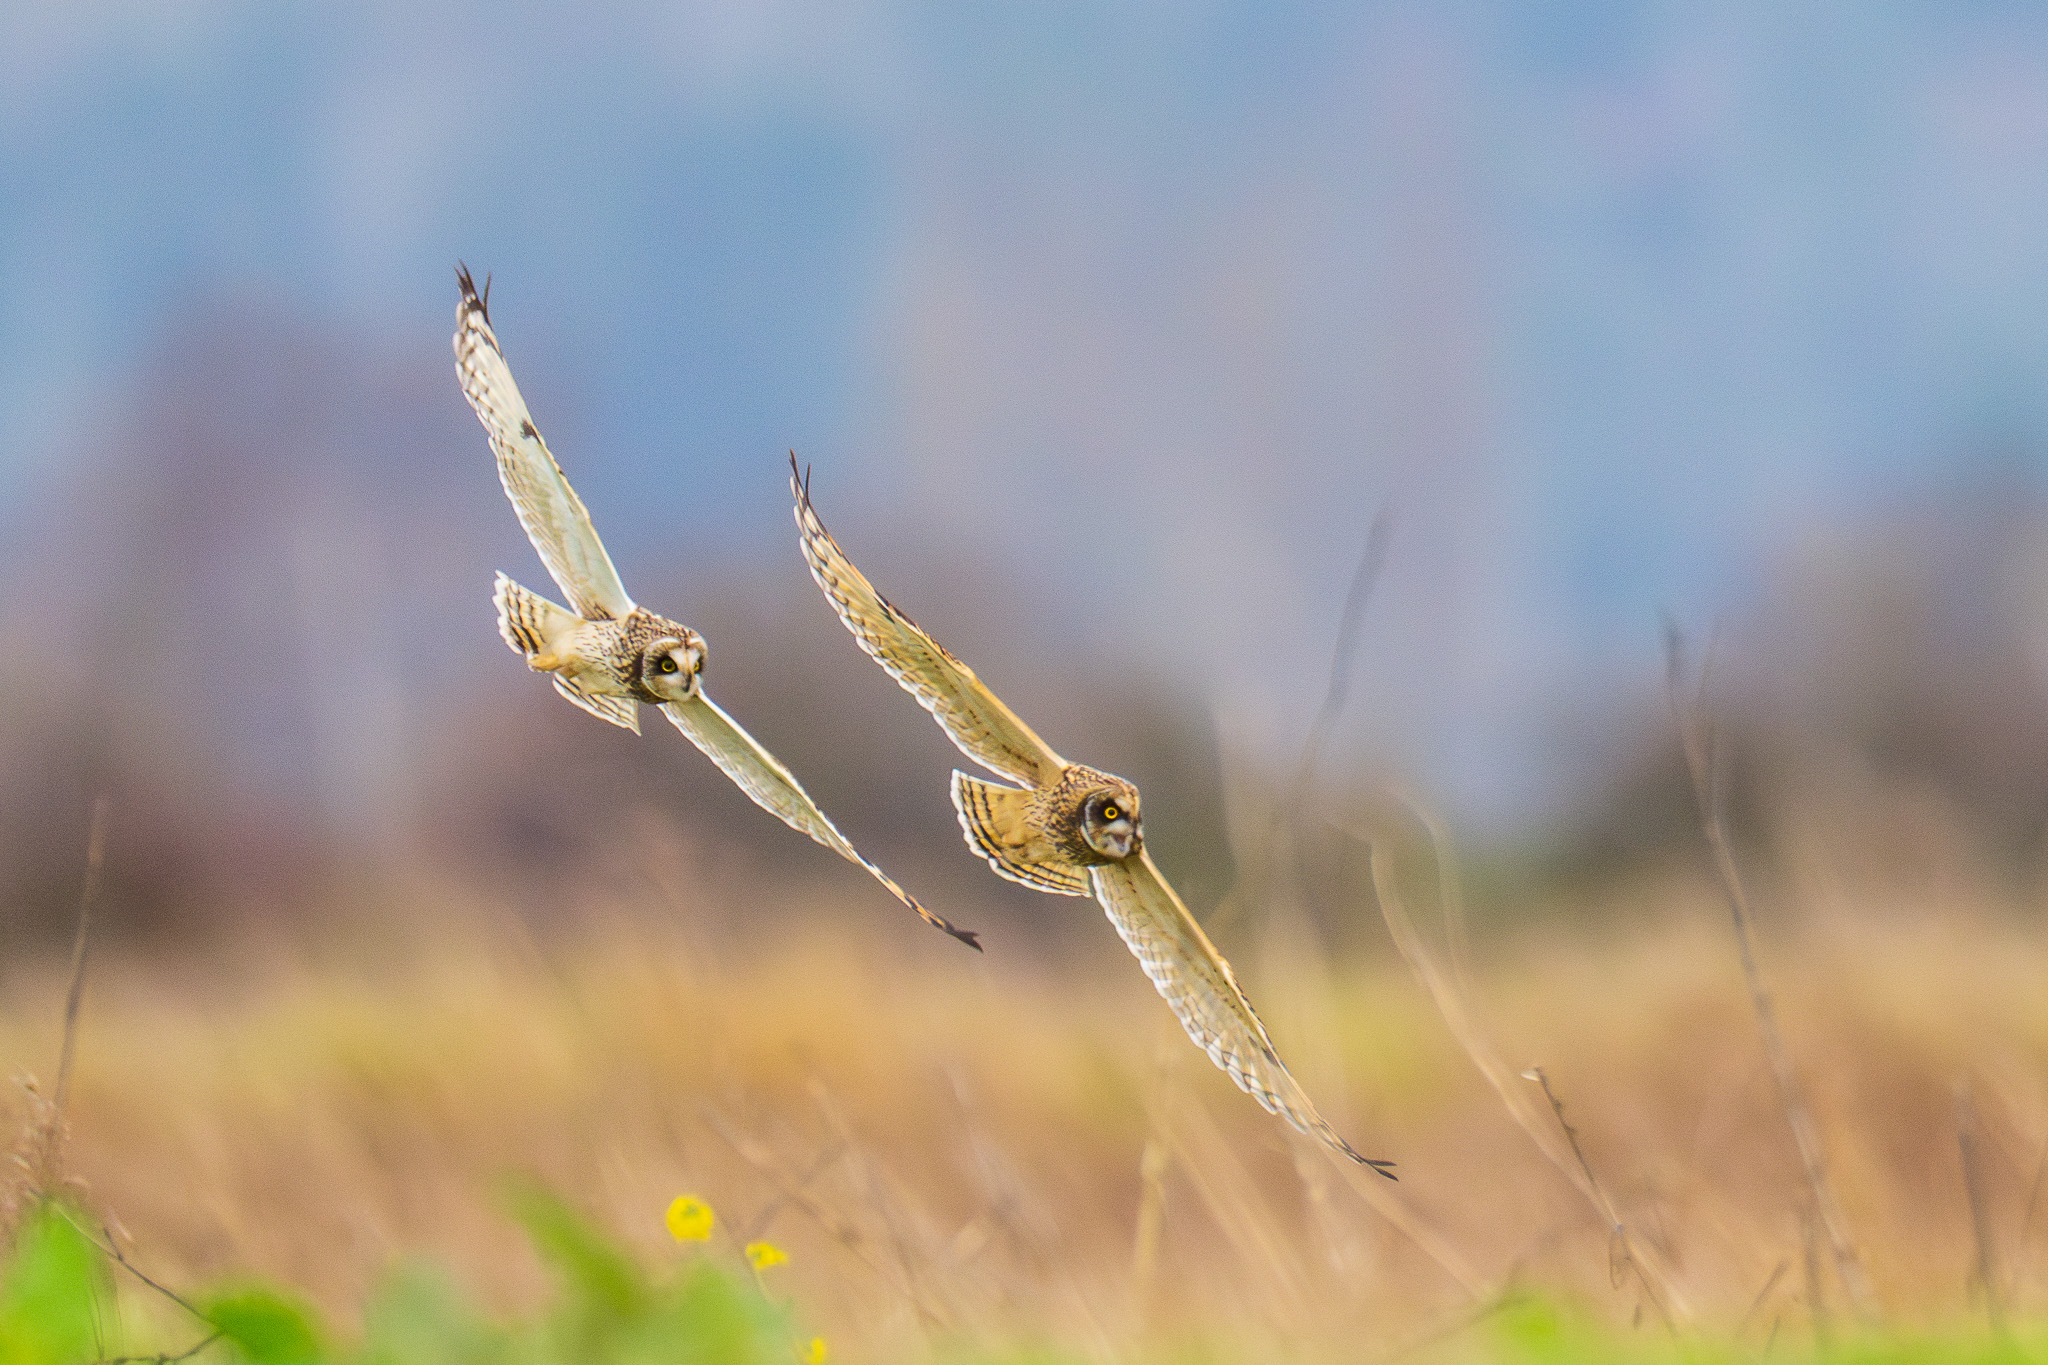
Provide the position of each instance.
(1107, 327)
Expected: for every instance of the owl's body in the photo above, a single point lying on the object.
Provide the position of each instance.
(1040, 836)
(604, 652)
(606, 665)
(1068, 829)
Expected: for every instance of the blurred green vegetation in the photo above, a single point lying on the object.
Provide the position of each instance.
(57, 1297)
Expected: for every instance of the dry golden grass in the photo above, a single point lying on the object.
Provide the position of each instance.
(989, 1146)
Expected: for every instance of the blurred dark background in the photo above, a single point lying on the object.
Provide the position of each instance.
(1108, 329)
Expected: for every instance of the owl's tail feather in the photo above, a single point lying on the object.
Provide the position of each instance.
(529, 623)
(997, 822)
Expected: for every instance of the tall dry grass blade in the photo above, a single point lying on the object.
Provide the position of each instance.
(1443, 1332)
(1333, 1231)
(873, 1189)
(2019, 1240)
(1153, 1164)
(1621, 1253)
(1258, 855)
(1816, 1288)
(1235, 1205)
(1654, 1274)
(1385, 1199)
(1705, 763)
(95, 858)
(1757, 1303)
(1370, 562)
(757, 1155)
(763, 1220)
(1986, 1269)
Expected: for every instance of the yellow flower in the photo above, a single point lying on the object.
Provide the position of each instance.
(690, 1219)
(761, 1255)
(814, 1354)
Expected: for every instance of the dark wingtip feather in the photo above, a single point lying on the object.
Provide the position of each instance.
(470, 297)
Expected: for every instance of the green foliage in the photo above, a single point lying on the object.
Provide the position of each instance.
(266, 1327)
(1532, 1331)
(56, 1302)
(47, 1299)
(55, 1296)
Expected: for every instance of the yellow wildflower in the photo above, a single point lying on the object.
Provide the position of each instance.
(761, 1255)
(814, 1354)
(690, 1219)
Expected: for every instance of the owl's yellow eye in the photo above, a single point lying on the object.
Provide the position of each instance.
(668, 663)
(1109, 812)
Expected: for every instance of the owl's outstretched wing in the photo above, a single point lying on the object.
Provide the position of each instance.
(1204, 994)
(987, 731)
(548, 507)
(761, 776)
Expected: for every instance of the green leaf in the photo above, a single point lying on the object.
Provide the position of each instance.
(599, 1276)
(417, 1318)
(714, 1317)
(266, 1327)
(46, 1300)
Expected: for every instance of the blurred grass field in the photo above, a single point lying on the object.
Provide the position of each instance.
(1023, 1149)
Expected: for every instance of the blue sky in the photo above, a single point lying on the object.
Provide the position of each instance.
(1146, 306)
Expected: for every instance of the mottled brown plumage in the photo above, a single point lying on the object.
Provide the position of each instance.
(1067, 829)
(609, 654)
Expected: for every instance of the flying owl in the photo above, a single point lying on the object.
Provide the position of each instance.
(1068, 829)
(609, 655)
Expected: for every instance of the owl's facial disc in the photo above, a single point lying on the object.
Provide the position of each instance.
(1109, 823)
(671, 669)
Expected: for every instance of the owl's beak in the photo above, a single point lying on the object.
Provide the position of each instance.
(1120, 841)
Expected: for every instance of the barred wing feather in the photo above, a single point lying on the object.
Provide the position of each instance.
(1204, 995)
(987, 731)
(772, 787)
(548, 508)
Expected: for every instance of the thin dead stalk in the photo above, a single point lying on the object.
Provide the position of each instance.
(1816, 1290)
(1652, 1273)
(1705, 761)
(1363, 578)
(2027, 1217)
(1153, 1165)
(1764, 1293)
(95, 858)
(878, 1198)
(194, 1349)
(1240, 1212)
(1257, 857)
(1621, 1253)
(1986, 1270)
(846, 1234)
(111, 1249)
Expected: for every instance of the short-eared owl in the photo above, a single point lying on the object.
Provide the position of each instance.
(1068, 829)
(608, 654)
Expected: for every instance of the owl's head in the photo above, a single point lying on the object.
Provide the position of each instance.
(672, 666)
(1109, 819)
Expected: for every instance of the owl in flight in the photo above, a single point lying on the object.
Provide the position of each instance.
(608, 655)
(1068, 829)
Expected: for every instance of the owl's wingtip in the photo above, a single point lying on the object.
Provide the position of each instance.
(970, 937)
(471, 297)
(1385, 1168)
